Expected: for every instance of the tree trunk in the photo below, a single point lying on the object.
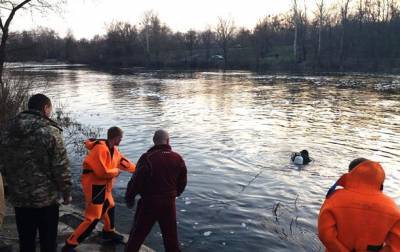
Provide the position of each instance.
(341, 48)
(319, 43)
(295, 41)
(3, 44)
(225, 51)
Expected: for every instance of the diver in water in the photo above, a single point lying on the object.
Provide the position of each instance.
(301, 158)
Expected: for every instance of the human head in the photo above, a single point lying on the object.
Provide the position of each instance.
(161, 137)
(41, 103)
(353, 164)
(304, 153)
(114, 135)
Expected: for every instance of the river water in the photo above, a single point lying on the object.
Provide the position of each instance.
(236, 131)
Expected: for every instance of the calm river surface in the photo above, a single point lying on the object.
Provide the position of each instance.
(236, 131)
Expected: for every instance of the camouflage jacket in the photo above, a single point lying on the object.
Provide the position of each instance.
(34, 161)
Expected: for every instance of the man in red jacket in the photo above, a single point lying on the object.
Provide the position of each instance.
(160, 177)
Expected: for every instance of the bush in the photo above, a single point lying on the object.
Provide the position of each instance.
(14, 93)
(74, 132)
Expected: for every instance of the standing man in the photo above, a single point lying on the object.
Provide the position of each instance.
(159, 179)
(101, 165)
(360, 217)
(35, 167)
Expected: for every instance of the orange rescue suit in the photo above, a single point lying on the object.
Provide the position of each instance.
(100, 167)
(360, 217)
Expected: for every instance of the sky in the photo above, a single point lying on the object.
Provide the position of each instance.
(86, 18)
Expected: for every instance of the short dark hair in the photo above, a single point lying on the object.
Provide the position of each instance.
(114, 132)
(38, 102)
(304, 153)
(353, 164)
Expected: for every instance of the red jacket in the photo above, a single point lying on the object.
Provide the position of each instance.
(360, 217)
(160, 173)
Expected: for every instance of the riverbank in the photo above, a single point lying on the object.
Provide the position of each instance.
(70, 217)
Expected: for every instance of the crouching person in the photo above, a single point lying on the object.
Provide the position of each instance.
(159, 179)
(101, 165)
(360, 217)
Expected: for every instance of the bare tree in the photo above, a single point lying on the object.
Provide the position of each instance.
(225, 32)
(304, 28)
(8, 9)
(207, 38)
(147, 18)
(321, 12)
(344, 12)
(190, 41)
(296, 21)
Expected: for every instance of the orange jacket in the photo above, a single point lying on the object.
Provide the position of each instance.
(100, 167)
(360, 217)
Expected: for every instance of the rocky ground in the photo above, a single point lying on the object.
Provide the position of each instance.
(69, 219)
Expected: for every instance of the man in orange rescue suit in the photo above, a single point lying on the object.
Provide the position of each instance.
(101, 165)
(360, 217)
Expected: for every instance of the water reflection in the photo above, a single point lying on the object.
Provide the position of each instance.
(236, 132)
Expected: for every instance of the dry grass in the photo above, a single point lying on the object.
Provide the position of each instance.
(14, 93)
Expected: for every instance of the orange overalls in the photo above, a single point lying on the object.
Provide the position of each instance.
(360, 217)
(100, 167)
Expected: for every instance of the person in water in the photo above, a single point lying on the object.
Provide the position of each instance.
(360, 217)
(301, 158)
(102, 164)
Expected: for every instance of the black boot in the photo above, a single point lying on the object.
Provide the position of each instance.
(112, 236)
(68, 248)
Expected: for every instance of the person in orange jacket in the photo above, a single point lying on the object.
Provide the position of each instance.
(101, 165)
(360, 217)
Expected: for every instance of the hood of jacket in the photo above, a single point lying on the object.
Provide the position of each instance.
(368, 176)
(92, 142)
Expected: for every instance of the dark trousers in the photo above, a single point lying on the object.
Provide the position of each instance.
(148, 212)
(31, 220)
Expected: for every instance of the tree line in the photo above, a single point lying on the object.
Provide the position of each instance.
(348, 35)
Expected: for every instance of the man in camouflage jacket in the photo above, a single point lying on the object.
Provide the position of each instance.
(35, 167)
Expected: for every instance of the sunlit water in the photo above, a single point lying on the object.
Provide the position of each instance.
(236, 131)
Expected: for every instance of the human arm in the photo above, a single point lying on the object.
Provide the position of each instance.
(340, 182)
(331, 190)
(392, 242)
(126, 165)
(182, 179)
(135, 185)
(99, 160)
(327, 231)
(59, 165)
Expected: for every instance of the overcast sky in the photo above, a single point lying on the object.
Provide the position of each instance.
(86, 18)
